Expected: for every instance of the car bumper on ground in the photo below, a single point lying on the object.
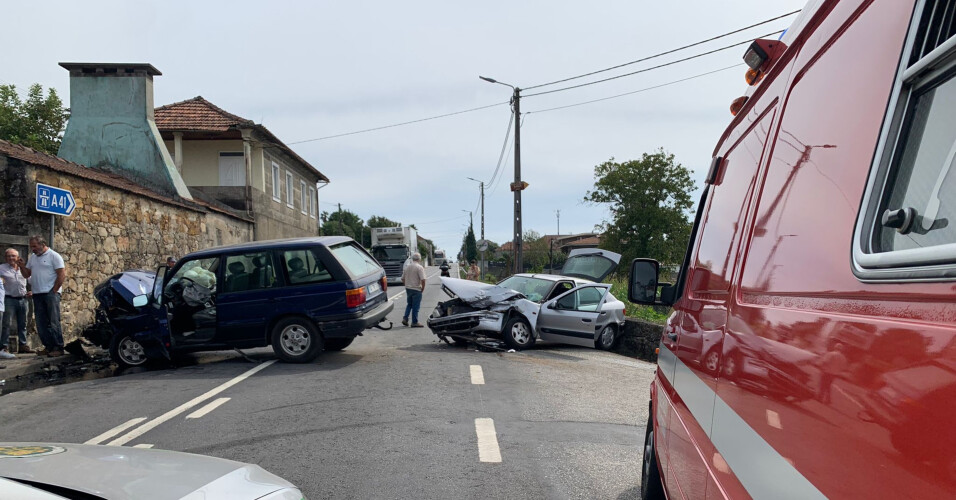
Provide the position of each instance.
(350, 327)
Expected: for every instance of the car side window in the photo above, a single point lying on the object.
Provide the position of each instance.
(303, 266)
(252, 271)
(584, 299)
(201, 272)
(908, 222)
(561, 287)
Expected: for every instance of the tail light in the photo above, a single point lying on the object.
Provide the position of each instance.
(355, 297)
(384, 283)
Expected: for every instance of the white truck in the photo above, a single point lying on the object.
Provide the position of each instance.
(392, 247)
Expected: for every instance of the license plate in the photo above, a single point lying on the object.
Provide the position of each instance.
(373, 289)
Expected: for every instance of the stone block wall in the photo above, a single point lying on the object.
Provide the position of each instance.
(640, 340)
(112, 229)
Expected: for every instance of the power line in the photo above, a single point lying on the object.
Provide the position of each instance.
(636, 91)
(442, 220)
(508, 154)
(399, 124)
(501, 156)
(652, 67)
(664, 53)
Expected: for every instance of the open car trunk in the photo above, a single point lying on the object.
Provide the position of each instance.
(590, 263)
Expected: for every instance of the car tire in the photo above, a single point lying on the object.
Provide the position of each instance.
(127, 352)
(459, 341)
(518, 333)
(337, 344)
(296, 340)
(607, 338)
(711, 362)
(651, 486)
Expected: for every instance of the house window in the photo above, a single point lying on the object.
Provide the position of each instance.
(302, 194)
(289, 190)
(232, 169)
(312, 202)
(907, 227)
(276, 192)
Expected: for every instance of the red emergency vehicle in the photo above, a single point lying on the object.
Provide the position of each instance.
(812, 348)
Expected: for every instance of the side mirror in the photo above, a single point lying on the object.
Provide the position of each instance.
(140, 300)
(642, 285)
(550, 305)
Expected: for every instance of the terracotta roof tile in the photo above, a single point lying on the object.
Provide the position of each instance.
(197, 114)
(116, 181)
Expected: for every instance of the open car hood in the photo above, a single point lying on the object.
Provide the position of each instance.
(123, 287)
(590, 263)
(477, 294)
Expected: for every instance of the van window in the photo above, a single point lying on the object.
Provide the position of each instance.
(355, 260)
(303, 266)
(252, 271)
(908, 221)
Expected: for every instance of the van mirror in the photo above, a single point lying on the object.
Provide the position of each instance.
(140, 300)
(642, 285)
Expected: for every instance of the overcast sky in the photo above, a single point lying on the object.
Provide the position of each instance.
(316, 69)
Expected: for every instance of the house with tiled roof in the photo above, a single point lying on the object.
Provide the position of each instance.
(229, 159)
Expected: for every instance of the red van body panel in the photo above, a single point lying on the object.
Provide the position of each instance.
(781, 373)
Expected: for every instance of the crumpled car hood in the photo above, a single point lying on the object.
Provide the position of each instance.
(126, 285)
(477, 294)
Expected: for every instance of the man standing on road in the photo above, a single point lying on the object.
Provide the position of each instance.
(46, 273)
(14, 306)
(414, 280)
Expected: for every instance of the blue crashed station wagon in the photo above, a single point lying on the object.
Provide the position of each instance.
(300, 296)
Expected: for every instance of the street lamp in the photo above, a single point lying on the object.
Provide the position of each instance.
(517, 186)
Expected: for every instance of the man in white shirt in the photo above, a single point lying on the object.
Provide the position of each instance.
(414, 280)
(3, 352)
(46, 273)
(14, 306)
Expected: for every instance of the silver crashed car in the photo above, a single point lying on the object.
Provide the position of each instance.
(570, 308)
(44, 471)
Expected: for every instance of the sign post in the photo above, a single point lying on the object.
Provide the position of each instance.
(54, 201)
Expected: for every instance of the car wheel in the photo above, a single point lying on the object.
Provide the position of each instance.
(127, 352)
(710, 362)
(730, 366)
(607, 339)
(337, 344)
(295, 340)
(651, 486)
(459, 341)
(518, 334)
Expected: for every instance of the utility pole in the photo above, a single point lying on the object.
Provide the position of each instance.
(517, 186)
(481, 185)
(558, 212)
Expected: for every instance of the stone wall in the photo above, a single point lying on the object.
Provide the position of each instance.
(640, 340)
(112, 229)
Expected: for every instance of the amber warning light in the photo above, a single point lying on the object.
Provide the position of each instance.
(760, 56)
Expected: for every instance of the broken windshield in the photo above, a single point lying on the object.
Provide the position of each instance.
(535, 289)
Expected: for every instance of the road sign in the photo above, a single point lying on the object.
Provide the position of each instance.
(519, 186)
(53, 200)
(482, 245)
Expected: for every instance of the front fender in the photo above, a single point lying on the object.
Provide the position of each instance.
(530, 311)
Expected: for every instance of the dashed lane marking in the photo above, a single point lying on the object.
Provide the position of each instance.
(115, 430)
(488, 450)
(152, 424)
(477, 376)
(208, 408)
(144, 445)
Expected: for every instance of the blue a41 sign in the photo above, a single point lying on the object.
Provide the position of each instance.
(53, 200)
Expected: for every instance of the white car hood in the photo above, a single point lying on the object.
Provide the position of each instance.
(477, 294)
(118, 472)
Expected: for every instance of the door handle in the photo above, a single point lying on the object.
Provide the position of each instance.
(585, 320)
(672, 336)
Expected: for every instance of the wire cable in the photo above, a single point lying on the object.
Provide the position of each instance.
(636, 91)
(652, 67)
(399, 124)
(508, 154)
(665, 53)
(501, 155)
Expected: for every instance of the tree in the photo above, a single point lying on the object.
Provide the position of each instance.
(342, 223)
(649, 200)
(535, 251)
(469, 245)
(37, 122)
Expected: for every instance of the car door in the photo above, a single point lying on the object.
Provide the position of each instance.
(247, 300)
(189, 296)
(572, 318)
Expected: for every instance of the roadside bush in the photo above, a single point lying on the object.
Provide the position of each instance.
(647, 313)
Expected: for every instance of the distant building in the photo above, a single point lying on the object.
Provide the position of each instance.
(563, 242)
(228, 159)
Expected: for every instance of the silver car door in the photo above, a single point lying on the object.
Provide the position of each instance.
(572, 318)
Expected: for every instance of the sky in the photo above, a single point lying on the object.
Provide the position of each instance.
(310, 70)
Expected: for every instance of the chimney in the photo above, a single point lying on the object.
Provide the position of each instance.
(111, 125)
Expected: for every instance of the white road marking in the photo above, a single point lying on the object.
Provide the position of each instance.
(152, 424)
(477, 376)
(144, 445)
(208, 408)
(115, 430)
(487, 441)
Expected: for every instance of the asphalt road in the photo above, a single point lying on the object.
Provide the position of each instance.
(397, 414)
